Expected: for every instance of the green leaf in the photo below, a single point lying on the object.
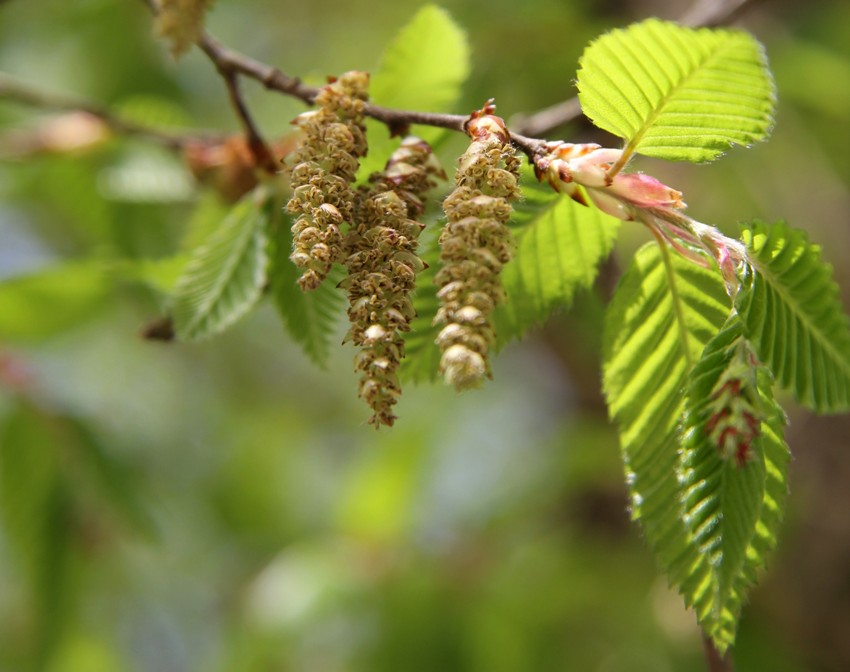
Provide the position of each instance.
(46, 303)
(423, 69)
(677, 93)
(732, 511)
(225, 276)
(663, 313)
(793, 315)
(421, 361)
(425, 65)
(560, 245)
(37, 519)
(310, 318)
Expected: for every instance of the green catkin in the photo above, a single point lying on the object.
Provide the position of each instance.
(474, 247)
(326, 163)
(382, 265)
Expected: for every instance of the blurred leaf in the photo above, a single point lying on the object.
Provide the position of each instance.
(560, 245)
(160, 275)
(83, 652)
(47, 303)
(377, 502)
(311, 317)
(793, 315)
(733, 510)
(225, 276)
(36, 518)
(115, 485)
(423, 69)
(677, 93)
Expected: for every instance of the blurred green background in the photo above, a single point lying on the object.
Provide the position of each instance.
(224, 506)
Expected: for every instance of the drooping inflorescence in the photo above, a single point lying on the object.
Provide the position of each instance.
(474, 247)
(325, 166)
(382, 264)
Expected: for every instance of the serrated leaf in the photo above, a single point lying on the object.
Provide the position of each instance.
(560, 245)
(732, 510)
(678, 93)
(225, 276)
(46, 303)
(793, 315)
(421, 361)
(423, 69)
(310, 318)
(658, 323)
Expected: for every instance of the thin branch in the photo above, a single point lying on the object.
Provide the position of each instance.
(256, 144)
(12, 90)
(701, 13)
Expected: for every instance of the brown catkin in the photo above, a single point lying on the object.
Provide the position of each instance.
(326, 163)
(382, 265)
(474, 247)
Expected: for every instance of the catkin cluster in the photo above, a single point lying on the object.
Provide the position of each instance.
(326, 163)
(475, 245)
(382, 264)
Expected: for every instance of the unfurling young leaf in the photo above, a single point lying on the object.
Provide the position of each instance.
(560, 245)
(224, 278)
(677, 93)
(733, 479)
(792, 313)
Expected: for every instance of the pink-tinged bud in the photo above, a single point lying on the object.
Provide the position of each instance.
(483, 125)
(645, 191)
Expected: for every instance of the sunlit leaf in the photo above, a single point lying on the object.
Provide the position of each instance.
(678, 93)
(793, 315)
(660, 319)
(423, 69)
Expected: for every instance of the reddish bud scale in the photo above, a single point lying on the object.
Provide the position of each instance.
(474, 247)
(735, 409)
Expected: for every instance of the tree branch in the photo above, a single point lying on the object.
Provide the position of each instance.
(12, 90)
(701, 13)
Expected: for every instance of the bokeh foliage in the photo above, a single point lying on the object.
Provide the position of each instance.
(223, 505)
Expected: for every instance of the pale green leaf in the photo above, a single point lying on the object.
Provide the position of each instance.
(422, 69)
(560, 245)
(793, 315)
(46, 303)
(225, 276)
(663, 313)
(311, 317)
(732, 511)
(678, 93)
